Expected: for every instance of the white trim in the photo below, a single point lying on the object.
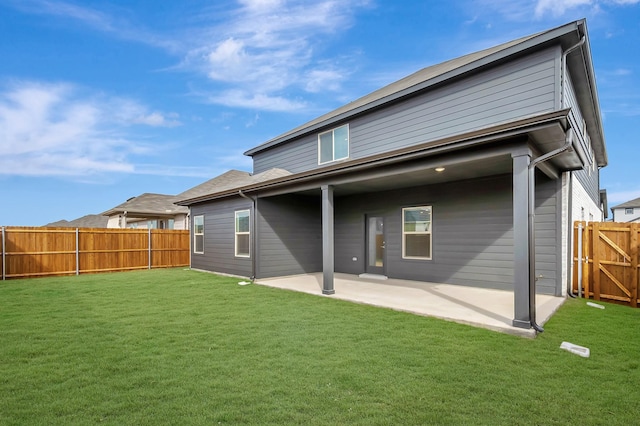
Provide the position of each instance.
(333, 155)
(237, 233)
(198, 234)
(429, 232)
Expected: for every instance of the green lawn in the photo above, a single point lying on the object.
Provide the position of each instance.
(184, 347)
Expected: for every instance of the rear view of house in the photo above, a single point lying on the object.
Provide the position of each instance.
(465, 173)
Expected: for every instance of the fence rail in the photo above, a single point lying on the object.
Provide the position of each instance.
(606, 261)
(34, 251)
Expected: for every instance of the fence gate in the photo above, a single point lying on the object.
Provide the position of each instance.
(605, 261)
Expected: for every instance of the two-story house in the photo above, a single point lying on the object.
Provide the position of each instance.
(627, 212)
(466, 172)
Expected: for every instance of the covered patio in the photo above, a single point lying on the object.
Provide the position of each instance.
(479, 307)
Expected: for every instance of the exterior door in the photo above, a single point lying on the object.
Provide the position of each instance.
(375, 243)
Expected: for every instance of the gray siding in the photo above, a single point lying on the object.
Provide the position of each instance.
(472, 233)
(547, 234)
(290, 241)
(219, 238)
(520, 88)
(590, 180)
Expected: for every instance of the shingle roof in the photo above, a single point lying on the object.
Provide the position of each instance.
(230, 180)
(149, 204)
(629, 204)
(88, 221)
(386, 93)
(565, 35)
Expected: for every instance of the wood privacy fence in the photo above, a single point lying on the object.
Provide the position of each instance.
(34, 252)
(605, 261)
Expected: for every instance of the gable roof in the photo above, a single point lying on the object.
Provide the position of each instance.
(628, 204)
(231, 180)
(149, 204)
(566, 35)
(88, 221)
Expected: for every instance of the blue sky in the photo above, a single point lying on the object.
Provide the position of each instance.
(104, 100)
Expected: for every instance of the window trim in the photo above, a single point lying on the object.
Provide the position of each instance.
(237, 233)
(405, 233)
(628, 210)
(198, 234)
(333, 141)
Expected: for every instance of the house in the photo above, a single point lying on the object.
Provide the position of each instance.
(465, 173)
(88, 221)
(156, 211)
(627, 212)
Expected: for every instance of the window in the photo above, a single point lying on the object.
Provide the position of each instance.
(242, 233)
(628, 211)
(198, 234)
(333, 145)
(416, 232)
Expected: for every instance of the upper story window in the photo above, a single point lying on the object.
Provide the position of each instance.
(333, 145)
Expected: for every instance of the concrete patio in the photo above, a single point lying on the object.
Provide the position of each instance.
(479, 307)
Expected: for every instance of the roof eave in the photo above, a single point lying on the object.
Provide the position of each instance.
(482, 135)
(537, 40)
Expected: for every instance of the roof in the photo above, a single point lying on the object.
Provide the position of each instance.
(628, 204)
(567, 35)
(229, 181)
(150, 205)
(88, 221)
(271, 180)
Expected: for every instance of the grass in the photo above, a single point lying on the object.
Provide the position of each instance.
(184, 347)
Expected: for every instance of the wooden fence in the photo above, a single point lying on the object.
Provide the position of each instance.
(33, 252)
(605, 261)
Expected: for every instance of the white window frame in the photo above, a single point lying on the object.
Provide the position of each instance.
(197, 234)
(333, 147)
(628, 210)
(238, 233)
(405, 233)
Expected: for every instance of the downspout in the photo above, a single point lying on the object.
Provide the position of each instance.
(532, 215)
(563, 72)
(254, 238)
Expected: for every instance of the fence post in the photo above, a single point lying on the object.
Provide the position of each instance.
(633, 240)
(149, 248)
(3, 256)
(579, 259)
(77, 252)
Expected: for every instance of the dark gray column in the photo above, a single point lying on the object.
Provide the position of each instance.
(521, 240)
(327, 240)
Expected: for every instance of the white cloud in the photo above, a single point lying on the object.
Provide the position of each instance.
(558, 7)
(619, 197)
(244, 99)
(57, 130)
(268, 47)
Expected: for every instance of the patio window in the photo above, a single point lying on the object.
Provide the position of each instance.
(198, 234)
(333, 145)
(243, 236)
(416, 232)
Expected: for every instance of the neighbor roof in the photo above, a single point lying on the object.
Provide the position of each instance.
(88, 221)
(149, 204)
(567, 35)
(628, 204)
(233, 179)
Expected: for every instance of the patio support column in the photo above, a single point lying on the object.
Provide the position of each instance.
(327, 240)
(521, 239)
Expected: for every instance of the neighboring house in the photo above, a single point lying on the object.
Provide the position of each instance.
(88, 221)
(627, 212)
(426, 179)
(145, 211)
